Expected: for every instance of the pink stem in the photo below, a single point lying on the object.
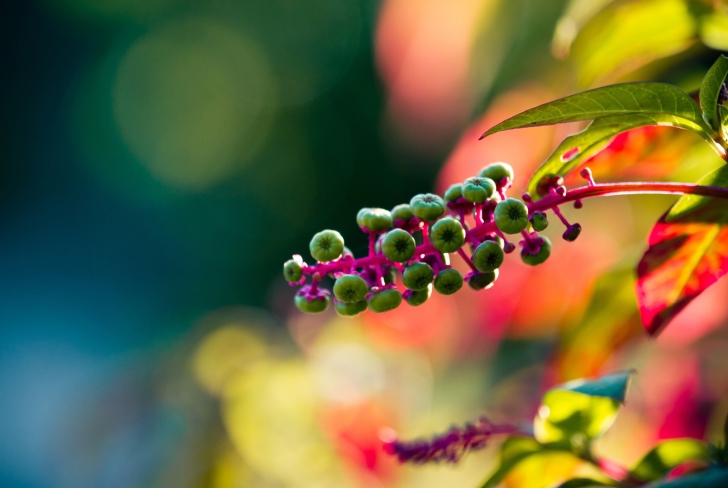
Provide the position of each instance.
(467, 259)
(480, 231)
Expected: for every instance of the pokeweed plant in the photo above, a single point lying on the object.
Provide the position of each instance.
(687, 253)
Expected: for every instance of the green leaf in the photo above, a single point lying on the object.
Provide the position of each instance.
(574, 413)
(581, 146)
(627, 35)
(711, 478)
(667, 455)
(622, 99)
(710, 91)
(513, 451)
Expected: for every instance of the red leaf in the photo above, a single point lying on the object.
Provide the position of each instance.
(688, 253)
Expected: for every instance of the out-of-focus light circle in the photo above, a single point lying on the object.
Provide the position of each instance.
(189, 101)
(348, 373)
(224, 352)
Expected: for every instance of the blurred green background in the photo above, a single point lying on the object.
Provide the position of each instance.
(163, 158)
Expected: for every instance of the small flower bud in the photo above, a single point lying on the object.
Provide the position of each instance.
(538, 253)
(539, 221)
(572, 232)
(547, 182)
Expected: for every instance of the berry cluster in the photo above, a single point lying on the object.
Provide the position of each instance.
(476, 213)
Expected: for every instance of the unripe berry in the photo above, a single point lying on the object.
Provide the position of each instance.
(418, 276)
(482, 281)
(350, 288)
(447, 235)
(315, 305)
(572, 232)
(448, 281)
(453, 193)
(416, 298)
(350, 309)
(326, 245)
(547, 182)
(427, 206)
(497, 171)
(542, 255)
(488, 257)
(374, 219)
(385, 300)
(478, 190)
(511, 216)
(539, 221)
(292, 271)
(401, 214)
(398, 245)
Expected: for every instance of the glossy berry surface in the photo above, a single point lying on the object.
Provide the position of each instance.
(539, 221)
(398, 245)
(350, 288)
(511, 216)
(417, 298)
(385, 300)
(418, 276)
(315, 305)
(538, 253)
(447, 235)
(482, 281)
(488, 257)
(350, 309)
(326, 245)
(292, 271)
(427, 206)
(448, 281)
(497, 171)
(478, 190)
(374, 219)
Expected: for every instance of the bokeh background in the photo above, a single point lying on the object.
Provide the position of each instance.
(163, 158)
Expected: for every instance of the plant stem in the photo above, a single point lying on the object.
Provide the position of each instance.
(549, 202)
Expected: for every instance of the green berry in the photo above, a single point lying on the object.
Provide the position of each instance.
(448, 281)
(539, 221)
(350, 288)
(478, 190)
(317, 305)
(292, 271)
(427, 206)
(389, 274)
(511, 216)
(453, 193)
(350, 309)
(419, 297)
(483, 281)
(374, 219)
(398, 245)
(547, 182)
(418, 276)
(327, 245)
(402, 212)
(542, 255)
(572, 232)
(385, 300)
(447, 235)
(497, 171)
(488, 257)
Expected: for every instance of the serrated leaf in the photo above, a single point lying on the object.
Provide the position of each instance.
(609, 101)
(627, 35)
(667, 455)
(513, 451)
(576, 412)
(712, 478)
(688, 252)
(710, 91)
(579, 147)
